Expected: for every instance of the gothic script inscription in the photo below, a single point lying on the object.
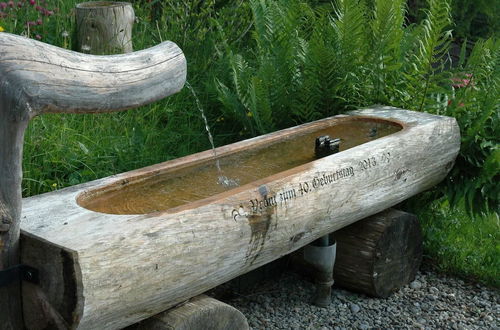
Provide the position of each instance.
(286, 196)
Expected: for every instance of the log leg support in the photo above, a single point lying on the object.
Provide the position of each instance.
(198, 313)
(320, 256)
(375, 256)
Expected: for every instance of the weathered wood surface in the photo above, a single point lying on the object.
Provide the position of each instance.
(104, 27)
(36, 78)
(376, 255)
(125, 268)
(379, 254)
(42, 78)
(11, 146)
(198, 313)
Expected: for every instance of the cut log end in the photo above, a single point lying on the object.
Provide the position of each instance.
(104, 27)
(198, 313)
(379, 254)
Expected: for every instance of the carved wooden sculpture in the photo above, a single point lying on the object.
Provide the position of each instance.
(37, 78)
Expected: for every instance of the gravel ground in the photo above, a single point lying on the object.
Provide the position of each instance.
(430, 302)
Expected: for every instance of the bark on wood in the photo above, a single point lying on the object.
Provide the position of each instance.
(198, 313)
(379, 254)
(130, 267)
(104, 27)
(36, 78)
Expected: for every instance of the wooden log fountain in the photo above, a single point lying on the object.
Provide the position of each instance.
(36, 78)
(124, 248)
(118, 250)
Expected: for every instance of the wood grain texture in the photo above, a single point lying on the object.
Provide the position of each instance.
(104, 27)
(198, 313)
(380, 254)
(11, 146)
(130, 267)
(44, 78)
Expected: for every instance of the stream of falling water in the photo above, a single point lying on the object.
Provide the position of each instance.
(222, 179)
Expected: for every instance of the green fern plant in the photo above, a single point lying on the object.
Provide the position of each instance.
(387, 32)
(261, 92)
(474, 103)
(426, 61)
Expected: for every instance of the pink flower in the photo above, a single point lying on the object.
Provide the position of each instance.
(19, 4)
(39, 37)
(30, 23)
(10, 4)
(3, 5)
(32, 2)
(39, 21)
(459, 82)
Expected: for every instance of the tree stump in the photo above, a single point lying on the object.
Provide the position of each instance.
(378, 254)
(104, 27)
(198, 313)
(375, 256)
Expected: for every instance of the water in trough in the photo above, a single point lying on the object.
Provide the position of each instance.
(181, 186)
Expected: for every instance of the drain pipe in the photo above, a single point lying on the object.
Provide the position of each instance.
(320, 255)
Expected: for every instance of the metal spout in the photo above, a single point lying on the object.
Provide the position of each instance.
(325, 146)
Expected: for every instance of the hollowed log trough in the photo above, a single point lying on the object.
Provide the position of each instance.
(100, 269)
(111, 252)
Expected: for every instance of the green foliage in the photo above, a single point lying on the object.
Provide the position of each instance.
(460, 244)
(475, 104)
(424, 71)
(311, 63)
(476, 18)
(63, 150)
(386, 37)
(263, 90)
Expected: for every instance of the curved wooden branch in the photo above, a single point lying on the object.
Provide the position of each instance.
(51, 79)
(37, 78)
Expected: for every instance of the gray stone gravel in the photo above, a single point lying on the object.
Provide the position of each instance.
(430, 302)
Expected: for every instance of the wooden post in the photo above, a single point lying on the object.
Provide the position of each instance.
(198, 313)
(104, 27)
(37, 78)
(379, 254)
(12, 129)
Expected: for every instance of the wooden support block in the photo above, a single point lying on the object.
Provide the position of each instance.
(379, 254)
(198, 313)
(376, 255)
